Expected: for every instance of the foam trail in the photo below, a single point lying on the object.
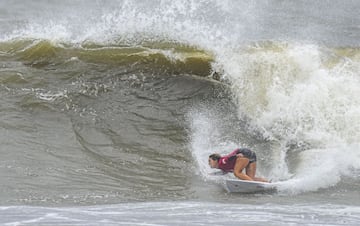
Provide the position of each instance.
(319, 170)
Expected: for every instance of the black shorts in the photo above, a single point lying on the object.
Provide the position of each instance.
(247, 153)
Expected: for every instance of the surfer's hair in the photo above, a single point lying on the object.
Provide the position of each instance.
(215, 156)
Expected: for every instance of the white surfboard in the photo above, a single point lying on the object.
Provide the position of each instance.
(244, 186)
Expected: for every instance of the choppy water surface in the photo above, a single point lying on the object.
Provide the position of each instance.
(109, 110)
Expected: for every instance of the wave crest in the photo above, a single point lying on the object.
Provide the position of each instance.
(169, 57)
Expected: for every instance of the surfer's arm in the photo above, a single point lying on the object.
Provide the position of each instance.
(218, 173)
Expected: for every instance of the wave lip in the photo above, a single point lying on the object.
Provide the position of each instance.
(159, 56)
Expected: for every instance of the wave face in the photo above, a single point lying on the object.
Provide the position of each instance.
(126, 99)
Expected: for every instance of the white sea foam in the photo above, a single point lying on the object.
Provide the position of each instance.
(299, 102)
(176, 213)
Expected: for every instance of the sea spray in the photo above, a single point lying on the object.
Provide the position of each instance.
(299, 104)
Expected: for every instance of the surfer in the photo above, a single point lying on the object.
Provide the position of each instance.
(237, 161)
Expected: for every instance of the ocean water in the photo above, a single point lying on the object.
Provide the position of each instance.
(109, 110)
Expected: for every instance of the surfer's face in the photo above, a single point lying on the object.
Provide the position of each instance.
(213, 163)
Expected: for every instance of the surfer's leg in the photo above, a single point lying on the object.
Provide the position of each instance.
(251, 171)
(240, 165)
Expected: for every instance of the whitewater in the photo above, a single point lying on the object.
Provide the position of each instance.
(110, 109)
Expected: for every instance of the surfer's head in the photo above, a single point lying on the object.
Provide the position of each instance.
(213, 160)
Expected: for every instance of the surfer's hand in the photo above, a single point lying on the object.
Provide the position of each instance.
(217, 173)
